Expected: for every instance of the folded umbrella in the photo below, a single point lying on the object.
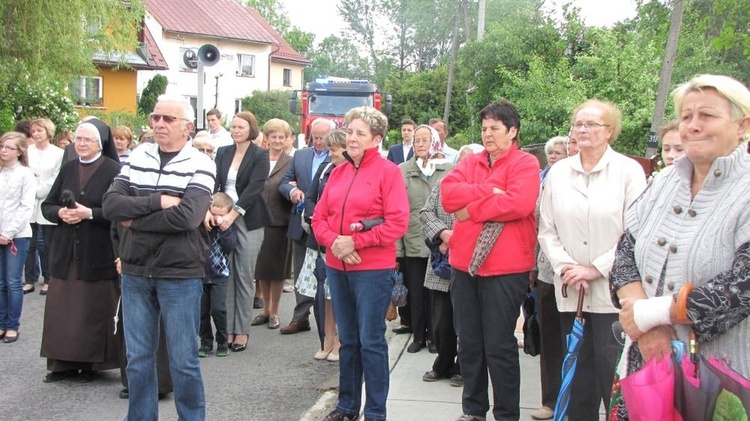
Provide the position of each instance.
(574, 340)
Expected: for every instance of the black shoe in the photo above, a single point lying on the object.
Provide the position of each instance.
(10, 339)
(43, 291)
(238, 347)
(257, 302)
(163, 396)
(457, 381)
(29, 290)
(124, 393)
(431, 376)
(204, 350)
(415, 347)
(337, 415)
(432, 347)
(57, 376)
(86, 376)
(401, 330)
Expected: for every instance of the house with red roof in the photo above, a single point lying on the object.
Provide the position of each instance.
(252, 55)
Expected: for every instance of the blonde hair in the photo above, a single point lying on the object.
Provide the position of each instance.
(46, 124)
(20, 142)
(731, 89)
(611, 115)
(123, 131)
(277, 125)
(336, 138)
(222, 200)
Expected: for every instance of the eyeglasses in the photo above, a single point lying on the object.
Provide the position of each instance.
(8, 148)
(169, 119)
(86, 140)
(588, 125)
(417, 141)
(206, 150)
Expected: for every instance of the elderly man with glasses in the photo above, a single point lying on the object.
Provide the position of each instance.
(161, 199)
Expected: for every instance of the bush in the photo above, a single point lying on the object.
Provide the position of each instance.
(271, 104)
(26, 100)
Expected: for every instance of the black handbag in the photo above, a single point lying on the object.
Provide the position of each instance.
(531, 342)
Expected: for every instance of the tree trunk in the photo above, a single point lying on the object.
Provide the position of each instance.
(452, 65)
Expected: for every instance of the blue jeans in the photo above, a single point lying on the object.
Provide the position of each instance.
(11, 284)
(178, 302)
(360, 300)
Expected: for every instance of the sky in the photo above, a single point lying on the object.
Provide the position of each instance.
(321, 17)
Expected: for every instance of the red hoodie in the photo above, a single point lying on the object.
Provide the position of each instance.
(470, 185)
(375, 189)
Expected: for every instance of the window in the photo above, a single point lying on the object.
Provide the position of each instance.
(247, 65)
(287, 77)
(183, 66)
(86, 90)
(237, 105)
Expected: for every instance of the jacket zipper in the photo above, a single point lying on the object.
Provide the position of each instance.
(343, 205)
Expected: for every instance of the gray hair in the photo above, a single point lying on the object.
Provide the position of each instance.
(557, 140)
(330, 123)
(377, 121)
(187, 109)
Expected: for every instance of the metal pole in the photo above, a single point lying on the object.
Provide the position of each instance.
(199, 100)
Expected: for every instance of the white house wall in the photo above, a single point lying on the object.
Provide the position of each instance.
(277, 75)
(231, 86)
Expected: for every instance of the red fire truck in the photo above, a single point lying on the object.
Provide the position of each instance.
(331, 98)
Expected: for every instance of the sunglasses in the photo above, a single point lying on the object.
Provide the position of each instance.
(169, 119)
(206, 150)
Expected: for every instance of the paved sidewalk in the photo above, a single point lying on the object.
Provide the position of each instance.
(411, 399)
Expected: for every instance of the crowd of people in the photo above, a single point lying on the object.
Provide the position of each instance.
(184, 235)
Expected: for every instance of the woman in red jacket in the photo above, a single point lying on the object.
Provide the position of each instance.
(499, 185)
(365, 187)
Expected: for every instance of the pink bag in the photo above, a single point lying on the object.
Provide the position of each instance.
(649, 392)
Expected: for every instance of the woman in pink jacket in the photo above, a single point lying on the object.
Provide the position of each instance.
(365, 187)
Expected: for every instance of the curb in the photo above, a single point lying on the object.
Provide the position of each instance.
(327, 401)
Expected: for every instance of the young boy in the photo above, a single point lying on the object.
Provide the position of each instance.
(213, 302)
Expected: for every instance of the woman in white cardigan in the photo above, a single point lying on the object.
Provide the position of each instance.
(582, 215)
(45, 160)
(16, 204)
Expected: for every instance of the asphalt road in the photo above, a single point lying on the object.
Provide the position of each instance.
(276, 378)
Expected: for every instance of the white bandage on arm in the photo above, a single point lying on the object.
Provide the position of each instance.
(652, 312)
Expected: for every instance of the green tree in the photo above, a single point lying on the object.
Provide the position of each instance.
(271, 104)
(155, 87)
(336, 56)
(272, 11)
(56, 40)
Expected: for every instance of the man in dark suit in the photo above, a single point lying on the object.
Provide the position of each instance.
(293, 186)
(396, 153)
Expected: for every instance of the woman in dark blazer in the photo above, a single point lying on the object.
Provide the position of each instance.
(241, 172)
(273, 266)
(79, 336)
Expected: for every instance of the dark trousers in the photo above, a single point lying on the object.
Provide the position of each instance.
(213, 306)
(162, 362)
(414, 270)
(304, 303)
(443, 334)
(592, 384)
(552, 351)
(41, 241)
(485, 310)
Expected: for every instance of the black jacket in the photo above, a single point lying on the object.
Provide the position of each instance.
(251, 178)
(88, 242)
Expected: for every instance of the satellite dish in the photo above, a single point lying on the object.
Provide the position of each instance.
(190, 59)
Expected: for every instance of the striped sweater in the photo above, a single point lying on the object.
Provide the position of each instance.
(163, 243)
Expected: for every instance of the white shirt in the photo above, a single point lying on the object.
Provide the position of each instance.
(17, 192)
(231, 187)
(46, 166)
(450, 153)
(221, 138)
(582, 216)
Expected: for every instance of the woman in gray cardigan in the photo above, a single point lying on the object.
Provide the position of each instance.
(682, 264)
(421, 173)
